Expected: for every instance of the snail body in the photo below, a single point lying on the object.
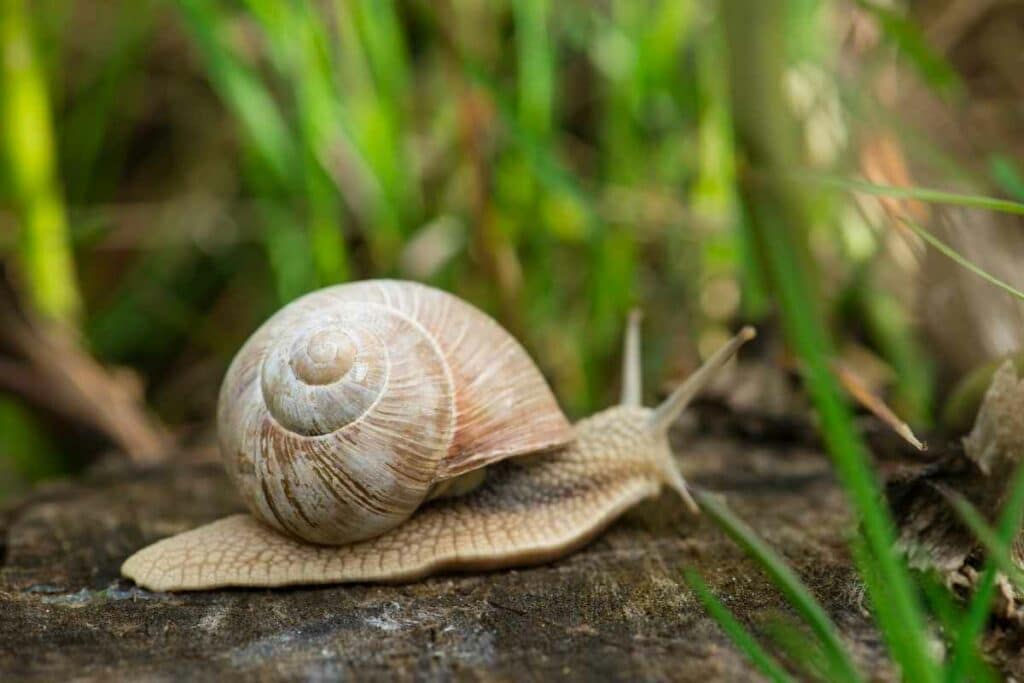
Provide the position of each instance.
(526, 510)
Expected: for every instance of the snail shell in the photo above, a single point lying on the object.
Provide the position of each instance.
(352, 405)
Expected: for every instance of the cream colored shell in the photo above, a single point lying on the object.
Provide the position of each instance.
(346, 408)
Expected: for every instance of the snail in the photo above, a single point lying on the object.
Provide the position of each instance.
(383, 431)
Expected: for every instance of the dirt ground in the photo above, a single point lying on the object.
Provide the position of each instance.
(617, 610)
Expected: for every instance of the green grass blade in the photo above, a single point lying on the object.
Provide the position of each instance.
(948, 251)
(351, 61)
(923, 194)
(994, 541)
(90, 129)
(739, 635)
(1004, 172)
(909, 39)
(29, 451)
(385, 47)
(796, 593)
(320, 114)
(666, 36)
(536, 66)
(997, 545)
(798, 649)
(941, 603)
(997, 549)
(242, 90)
(382, 127)
(952, 619)
(542, 161)
(288, 249)
(779, 221)
(901, 618)
(27, 146)
(964, 398)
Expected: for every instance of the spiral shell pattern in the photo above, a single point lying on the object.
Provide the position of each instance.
(340, 414)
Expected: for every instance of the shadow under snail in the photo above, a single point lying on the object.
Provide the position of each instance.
(383, 431)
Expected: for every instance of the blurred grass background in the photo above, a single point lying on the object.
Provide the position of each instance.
(174, 171)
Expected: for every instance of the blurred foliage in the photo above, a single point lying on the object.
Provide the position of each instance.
(553, 163)
(27, 141)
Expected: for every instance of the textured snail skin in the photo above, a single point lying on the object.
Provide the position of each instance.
(528, 511)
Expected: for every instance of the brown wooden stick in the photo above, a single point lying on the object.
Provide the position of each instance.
(62, 376)
(856, 388)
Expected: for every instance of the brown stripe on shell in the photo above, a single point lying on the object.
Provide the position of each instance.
(313, 486)
(503, 405)
(500, 406)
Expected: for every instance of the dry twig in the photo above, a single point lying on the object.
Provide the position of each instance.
(58, 374)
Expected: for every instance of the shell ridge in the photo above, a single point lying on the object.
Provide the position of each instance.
(327, 474)
(387, 369)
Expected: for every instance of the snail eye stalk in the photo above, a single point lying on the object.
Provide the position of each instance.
(673, 406)
(632, 380)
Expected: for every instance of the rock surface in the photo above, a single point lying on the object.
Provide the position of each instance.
(618, 610)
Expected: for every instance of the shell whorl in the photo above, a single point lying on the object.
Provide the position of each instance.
(319, 378)
(346, 407)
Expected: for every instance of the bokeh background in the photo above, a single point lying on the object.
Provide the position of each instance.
(172, 171)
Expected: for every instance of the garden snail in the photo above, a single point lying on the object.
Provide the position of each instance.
(357, 424)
